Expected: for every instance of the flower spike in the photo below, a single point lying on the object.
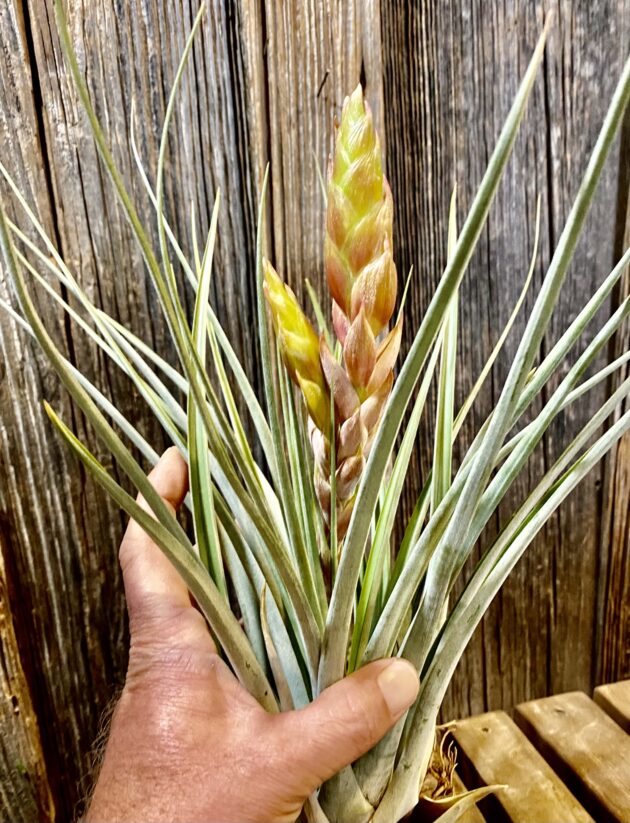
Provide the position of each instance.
(362, 279)
(299, 346)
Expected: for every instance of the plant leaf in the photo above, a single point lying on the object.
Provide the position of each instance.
(459, 534)
(286, 493)
(208, 598)
(385, 522)
(462, 622)
(204, 517)
(443, 444)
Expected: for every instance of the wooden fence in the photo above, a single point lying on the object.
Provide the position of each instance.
(266, 80)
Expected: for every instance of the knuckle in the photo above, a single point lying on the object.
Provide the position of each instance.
(362, 717)
(127, 552)
(159, 632)
(165, 623)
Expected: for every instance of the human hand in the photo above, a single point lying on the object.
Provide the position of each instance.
(187, 741)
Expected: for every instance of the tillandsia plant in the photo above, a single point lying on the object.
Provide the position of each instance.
(292, 562)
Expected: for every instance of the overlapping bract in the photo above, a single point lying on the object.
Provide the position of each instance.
(358, 246)
(362, 279)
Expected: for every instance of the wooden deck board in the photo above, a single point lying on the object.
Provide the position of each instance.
(493, 750)
(586, 748)
(614, 699)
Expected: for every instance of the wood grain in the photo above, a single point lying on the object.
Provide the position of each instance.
(265, 81)
(24, 788)
(586, 748)
(492, 750)
(63, 533)
(613, 640)
(614, 699)
(317, 53)
(48, 547)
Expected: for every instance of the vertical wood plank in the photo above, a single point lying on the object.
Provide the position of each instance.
(316, 54)
(64, 534)
(613, 647)
(451, 71)
(48, 548)
(24, 789)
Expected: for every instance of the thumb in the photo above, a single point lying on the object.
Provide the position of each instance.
(149, 577)
(351, 716)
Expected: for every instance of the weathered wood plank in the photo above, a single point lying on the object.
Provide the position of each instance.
(64, 533)
(48, 548)
(586, 748)
(24, 788)
(614, 699)
(614, 574)
(451, 70)
(492, 750)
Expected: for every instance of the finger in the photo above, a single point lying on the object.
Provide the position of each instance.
(148, 575)
(350, 717)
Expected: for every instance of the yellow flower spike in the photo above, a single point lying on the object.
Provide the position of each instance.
(299, 346)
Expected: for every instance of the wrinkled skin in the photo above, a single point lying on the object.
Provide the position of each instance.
(187, 742)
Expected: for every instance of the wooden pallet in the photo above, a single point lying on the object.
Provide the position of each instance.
(563, 759)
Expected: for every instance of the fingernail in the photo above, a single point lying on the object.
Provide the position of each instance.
(399, 686)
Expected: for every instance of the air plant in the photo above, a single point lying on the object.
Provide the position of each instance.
(292, 561)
